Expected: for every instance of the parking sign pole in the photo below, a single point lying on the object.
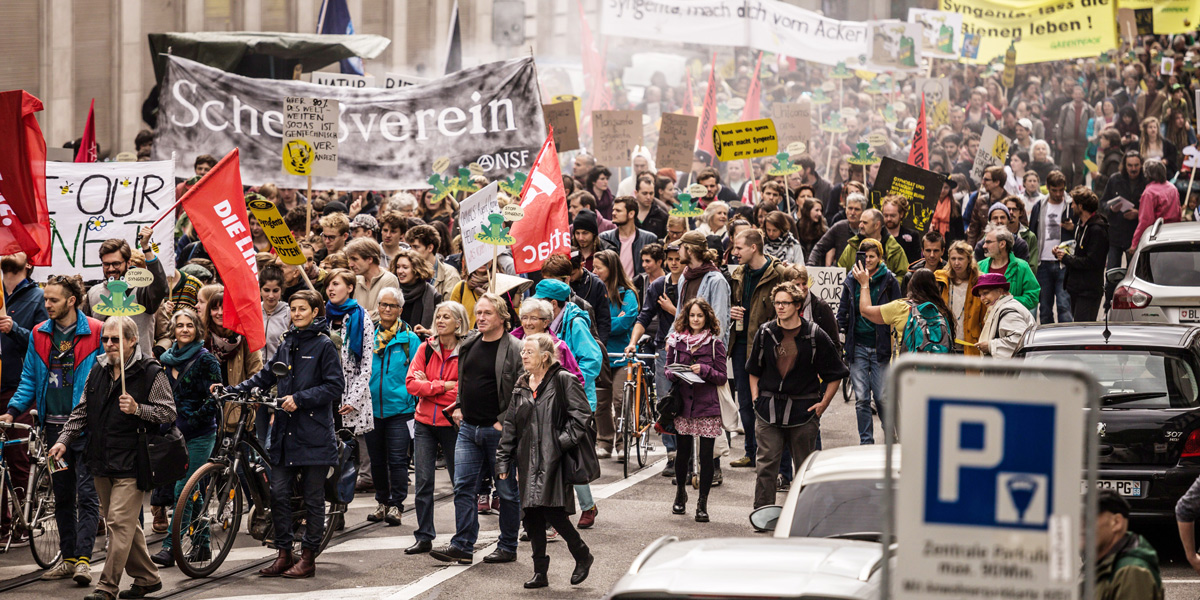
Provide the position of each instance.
(983, 367)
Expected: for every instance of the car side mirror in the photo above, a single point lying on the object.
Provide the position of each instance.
(279, 369)
(1115, 275)
(764, 518)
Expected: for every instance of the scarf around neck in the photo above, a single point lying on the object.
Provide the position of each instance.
(384, 336)
(223, 346)
(691, 340)
(352, 325)
(781, 246)
(177, 355)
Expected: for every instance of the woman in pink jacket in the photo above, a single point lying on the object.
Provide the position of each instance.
(1159, 201)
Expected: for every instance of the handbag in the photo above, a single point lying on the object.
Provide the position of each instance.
(162, 458)
(669, 406)
(580, 464)
(731, 419)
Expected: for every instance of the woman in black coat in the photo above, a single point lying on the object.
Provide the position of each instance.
(549, 414)
(303, 442)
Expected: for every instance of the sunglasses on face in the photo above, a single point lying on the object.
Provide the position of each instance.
(111, 339)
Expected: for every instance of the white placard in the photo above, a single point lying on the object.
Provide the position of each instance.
(993, 152)
(394, 80)
(343, 80)
(310, 136)
(942, 32)
(474, 213)
(826, 283)
(93, 202)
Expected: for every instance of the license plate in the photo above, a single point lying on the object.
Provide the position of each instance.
(1131, 489)
(1189, 315)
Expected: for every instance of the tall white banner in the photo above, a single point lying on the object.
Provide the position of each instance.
(93, 202)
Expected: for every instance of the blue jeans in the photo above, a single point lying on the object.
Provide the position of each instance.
(662, 385)
(866, 373)
(476, 447)
(199, 449)
(76, 503)
(425, 448)
(312, 485)
(387, 445)
(745, 400)
(1051, 276)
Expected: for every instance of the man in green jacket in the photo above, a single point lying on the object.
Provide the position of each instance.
(1022, 283)
(871, 226)
(1126, 564)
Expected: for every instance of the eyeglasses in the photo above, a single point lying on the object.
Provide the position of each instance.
(111, 339)
(330, 237)
(784, 303)
(114, 265)
(388, 305)
(533, 318)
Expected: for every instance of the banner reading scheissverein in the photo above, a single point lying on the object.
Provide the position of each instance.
(1045, 30)
(388, 138)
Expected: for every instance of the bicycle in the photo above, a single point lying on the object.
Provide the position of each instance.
(34, 515)
(208, 513)
(636, 422)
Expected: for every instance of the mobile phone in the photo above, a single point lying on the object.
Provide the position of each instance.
(860, 258)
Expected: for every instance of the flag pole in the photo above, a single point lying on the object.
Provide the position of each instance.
(121, 349)
(308, 219)
(306, 279)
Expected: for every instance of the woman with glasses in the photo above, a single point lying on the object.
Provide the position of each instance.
(419, 296)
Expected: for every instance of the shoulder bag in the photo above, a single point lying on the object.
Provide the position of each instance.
(162, 458)
(580, 464)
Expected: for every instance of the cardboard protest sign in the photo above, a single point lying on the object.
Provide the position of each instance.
(747, 139)
(793, 120)
(281, 238)
(93, 202)
(895, 46)
(922, 188)
(993, 151)
(937, 99)
(392, 81)
(616, 134)
(676, 140)
(474, 213)
(941, 32)
(310, 136)
(826, 283)
(560, 117)
(343, 79)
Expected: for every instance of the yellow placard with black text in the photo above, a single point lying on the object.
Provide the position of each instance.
(1045, 30)
(280, 236)
(746, 139)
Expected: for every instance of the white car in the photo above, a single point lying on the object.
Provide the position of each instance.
(1162, 283)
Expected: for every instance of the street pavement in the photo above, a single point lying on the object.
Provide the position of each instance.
(366, 562)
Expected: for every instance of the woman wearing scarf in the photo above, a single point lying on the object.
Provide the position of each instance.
(472, 286)
(392, 406)
(192, 370)
(623, 312)
(696, 340)
(780, 243)
(420, 297)
(353, 333)
(947, 214)
(238, 363)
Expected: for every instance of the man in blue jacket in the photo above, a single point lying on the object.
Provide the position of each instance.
(58, 358)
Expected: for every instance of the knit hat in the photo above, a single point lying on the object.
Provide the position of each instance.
(334, 206)
(552, 289)
(586, 220)
(988, 281)
(196, 271)
(999, 206)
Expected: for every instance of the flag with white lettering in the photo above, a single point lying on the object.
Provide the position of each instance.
(544, 229)
(217, 210)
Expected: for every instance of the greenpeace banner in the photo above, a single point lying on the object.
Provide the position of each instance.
(387, 138)
(767, 25)
(95, 201)
(1045, 30)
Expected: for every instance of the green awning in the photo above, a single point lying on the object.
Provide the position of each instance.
(270, 55)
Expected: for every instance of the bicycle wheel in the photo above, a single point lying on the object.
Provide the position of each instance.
(43, 528)
(642, 424)
(206, 520)
(625, 431)
(847, 390)
(334, 516)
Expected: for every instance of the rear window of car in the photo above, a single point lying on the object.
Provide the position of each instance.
(829, 508)
(1134, 379)
(1172, 265)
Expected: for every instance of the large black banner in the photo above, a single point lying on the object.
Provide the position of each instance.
(387, 139)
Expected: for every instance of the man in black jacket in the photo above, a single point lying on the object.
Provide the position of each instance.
(1128, 184)
(790, 359)
(490, 362)
(1085, 266)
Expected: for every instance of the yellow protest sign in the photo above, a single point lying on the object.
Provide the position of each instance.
(747, 139)
(1176, 16)
(277, 232)
(1045, 30)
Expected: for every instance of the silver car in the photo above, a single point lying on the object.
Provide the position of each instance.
(837, 493)
(1162, 283)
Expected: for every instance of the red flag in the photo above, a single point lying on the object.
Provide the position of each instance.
(217, 210)
(689, 101)
(24, 217)
(88, 150)
(599, 97)
(544, 229)
(918, 156)
(708, 116)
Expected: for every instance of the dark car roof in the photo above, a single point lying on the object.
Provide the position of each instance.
(1122, 334)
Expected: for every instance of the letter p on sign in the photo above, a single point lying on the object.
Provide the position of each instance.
(955, 457)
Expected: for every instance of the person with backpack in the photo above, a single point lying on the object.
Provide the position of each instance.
(868, 348)
(1006, 320)
(919, 322)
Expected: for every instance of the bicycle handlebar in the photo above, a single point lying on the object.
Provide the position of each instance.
(254, 396)
(637, 356)
(18, 426)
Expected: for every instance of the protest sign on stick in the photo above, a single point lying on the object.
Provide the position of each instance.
(473, 216)
(993, 151)
(746, 139)
(560, 118)
(922, 188)
(676, 140)
(793, 120)
(310, 141)
(617, 132)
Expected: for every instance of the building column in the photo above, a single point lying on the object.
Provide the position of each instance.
(397, 30)
(127, 91)
(58, 72)
(251, 15)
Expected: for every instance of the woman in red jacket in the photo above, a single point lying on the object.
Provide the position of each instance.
(433, 379)
(1160, 200)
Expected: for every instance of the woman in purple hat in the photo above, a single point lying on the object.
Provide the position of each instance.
(1006, 319)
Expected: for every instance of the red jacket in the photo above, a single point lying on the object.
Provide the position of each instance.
(439, 366)
(1160, 200)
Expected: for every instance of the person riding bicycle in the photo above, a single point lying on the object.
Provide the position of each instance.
(303, 441)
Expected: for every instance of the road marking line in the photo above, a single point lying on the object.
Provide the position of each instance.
(617, 487)
(1165, 580)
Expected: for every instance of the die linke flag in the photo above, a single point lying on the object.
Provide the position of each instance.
(918, 155)
(708, 114)
(24, 216)
(89, 151)
(544, 229)
(217, 210)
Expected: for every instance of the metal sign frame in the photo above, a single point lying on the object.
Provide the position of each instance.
(991, 366)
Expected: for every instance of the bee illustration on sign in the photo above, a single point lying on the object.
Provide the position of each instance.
(299, 156)
(126, 182)
(65, 189)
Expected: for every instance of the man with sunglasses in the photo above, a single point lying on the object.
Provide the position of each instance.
(60, 354)
(115, 256)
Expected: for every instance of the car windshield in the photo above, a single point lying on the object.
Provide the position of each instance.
(1133, 379)
(837, 508)
(1174, 265)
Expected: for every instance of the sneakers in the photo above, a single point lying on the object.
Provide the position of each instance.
(449, 553)
(603, 452)
(83, 573)
(745, 461)
(13, 540)
(163, 558)
(62, 570)
(393, 516)
(379, 513)
(619, 455)
(483, 502)
(588, 517)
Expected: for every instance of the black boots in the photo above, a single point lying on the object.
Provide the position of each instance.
(702, 510)
(541, 564)
(282, 563)
(583, 564)
(680, 505)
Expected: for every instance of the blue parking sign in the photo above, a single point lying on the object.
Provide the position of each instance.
(989, 464)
